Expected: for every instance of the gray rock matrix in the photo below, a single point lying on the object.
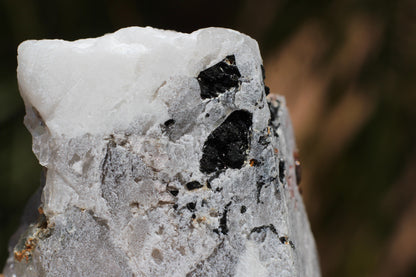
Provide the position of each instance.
(209, 191)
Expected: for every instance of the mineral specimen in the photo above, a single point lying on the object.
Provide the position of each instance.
(162, 157)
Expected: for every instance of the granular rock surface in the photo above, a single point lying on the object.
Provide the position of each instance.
(163, 156)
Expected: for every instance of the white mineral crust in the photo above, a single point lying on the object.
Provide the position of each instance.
(163, 157)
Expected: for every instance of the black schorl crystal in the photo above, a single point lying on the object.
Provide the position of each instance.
(281, 170)
(193, 185)
(191, 206)
(223, 228)
(169, 122)
(168, 125)
(266, 90)
(174, 192)
(226, 147)
(219, 78)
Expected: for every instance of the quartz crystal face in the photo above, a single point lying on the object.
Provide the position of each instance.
(163, 157)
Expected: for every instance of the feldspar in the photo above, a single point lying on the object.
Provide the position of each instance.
(163, 157)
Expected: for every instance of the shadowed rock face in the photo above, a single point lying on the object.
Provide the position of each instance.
(201, 185)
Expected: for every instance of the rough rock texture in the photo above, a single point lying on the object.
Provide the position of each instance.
(163, 157)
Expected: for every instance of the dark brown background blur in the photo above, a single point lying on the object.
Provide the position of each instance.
(348, 71)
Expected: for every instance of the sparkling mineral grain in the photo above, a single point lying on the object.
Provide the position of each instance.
(163, 157)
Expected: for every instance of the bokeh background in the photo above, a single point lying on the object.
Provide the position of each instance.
(348, 71)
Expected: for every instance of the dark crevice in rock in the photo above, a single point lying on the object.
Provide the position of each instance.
(107, 157)
(100, 221)
(275, 128)
(260, 184)
(223, 228)
(211, 260)
(266, 88)
(264, 140)
(219, 78)
(259, 234)
(226, 147)
(263, 228)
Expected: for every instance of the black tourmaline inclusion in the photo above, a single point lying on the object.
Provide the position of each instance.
(219, 78)
(193, 185)
(226, 147)
(281, 170)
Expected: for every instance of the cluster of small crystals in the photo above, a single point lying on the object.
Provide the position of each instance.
(199, 180)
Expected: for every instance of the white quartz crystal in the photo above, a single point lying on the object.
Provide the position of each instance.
(97, 86)
(163, 157)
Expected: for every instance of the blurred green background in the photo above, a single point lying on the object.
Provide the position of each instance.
(347, 69)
